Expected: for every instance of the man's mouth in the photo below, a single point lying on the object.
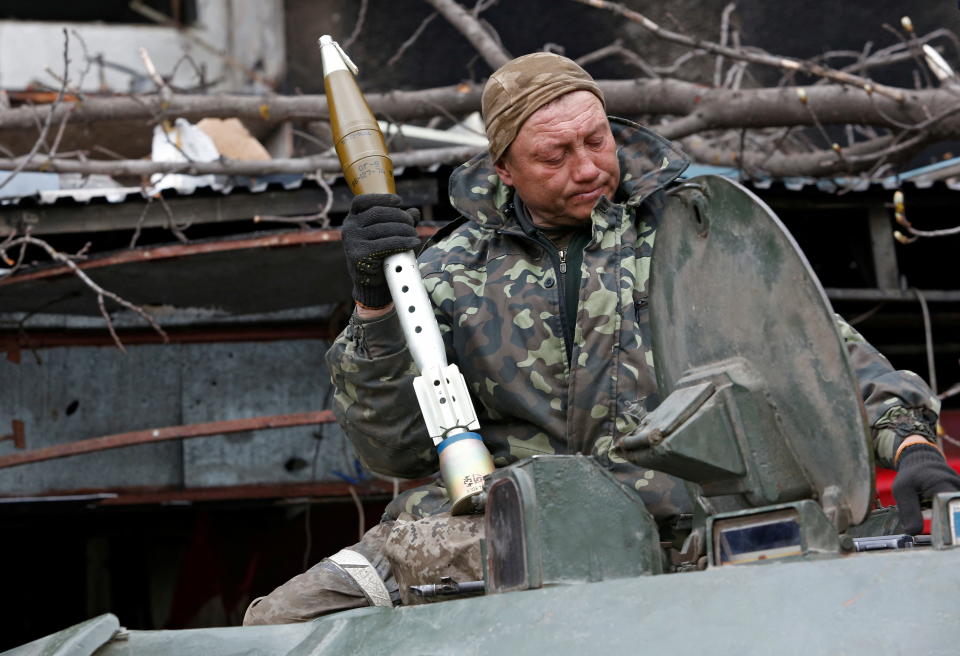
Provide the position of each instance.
(591, 195)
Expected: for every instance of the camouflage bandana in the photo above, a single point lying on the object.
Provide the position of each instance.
(522, 86)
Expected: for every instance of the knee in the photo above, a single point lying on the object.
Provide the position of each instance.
(253, 616)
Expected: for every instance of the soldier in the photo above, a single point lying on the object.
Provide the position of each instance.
(540, 292)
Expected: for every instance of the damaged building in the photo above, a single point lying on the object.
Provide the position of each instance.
(172, 480)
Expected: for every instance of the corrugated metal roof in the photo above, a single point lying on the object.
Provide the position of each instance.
(41, 191)
(947, 172)
(51, 188)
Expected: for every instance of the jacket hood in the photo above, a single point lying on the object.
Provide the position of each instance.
(647, 163)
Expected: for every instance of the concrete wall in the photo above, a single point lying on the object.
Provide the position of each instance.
(252, 33)
(83, 392)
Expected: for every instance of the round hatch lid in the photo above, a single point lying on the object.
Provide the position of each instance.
(728, 280)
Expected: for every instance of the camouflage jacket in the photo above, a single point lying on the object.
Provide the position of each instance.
(497, 299)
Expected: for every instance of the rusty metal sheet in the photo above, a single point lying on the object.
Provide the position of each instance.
(228, 381)
(162, 434)
(83, 393)
(15, 343)
(76, 393)
(250, 274)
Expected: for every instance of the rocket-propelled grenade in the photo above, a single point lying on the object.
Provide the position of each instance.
(441, 389)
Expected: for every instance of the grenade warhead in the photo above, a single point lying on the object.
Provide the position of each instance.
(441, 390)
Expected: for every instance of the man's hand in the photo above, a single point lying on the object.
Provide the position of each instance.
(922, 473)
(375, 228)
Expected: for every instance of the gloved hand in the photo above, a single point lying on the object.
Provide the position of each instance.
(922, 473)
(375, 228)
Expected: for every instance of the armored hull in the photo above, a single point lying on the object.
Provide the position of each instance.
(876, 603)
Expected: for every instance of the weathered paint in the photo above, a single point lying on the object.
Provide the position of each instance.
(79, 393)
(748, 292)
(851, 604)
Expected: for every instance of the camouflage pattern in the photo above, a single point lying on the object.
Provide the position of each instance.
(898, 403)
(522, 86)
(421, 544)
(424, 551)
(419, 502)
(324, 588)
(497, 300)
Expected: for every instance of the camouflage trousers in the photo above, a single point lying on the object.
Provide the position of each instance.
(404, 551)
(419, 542)
(324, 588)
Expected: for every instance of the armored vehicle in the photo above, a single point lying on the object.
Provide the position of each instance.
(785, 552)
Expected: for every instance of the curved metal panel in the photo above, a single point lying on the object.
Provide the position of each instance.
(728, 280)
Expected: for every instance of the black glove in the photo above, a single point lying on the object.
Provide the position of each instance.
(375, 228)
(921, 473)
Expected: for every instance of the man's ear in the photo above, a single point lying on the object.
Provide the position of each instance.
(502, 169)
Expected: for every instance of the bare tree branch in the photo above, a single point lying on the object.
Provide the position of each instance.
(152, 69)
(138, 167)
(900, 216)
(468, 25)
(69, 261)
(724, 35)
(625, 97)
(41, 139)
(699, 109)
(413, 39)
(358, 26)
(779, 164)
(459, 99)
(754, 128)
(753, 56)
(482, 6)
(616, 48)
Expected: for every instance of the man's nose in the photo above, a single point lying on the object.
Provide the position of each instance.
(584, 168)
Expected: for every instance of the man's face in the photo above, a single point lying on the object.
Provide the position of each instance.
(563, 160)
